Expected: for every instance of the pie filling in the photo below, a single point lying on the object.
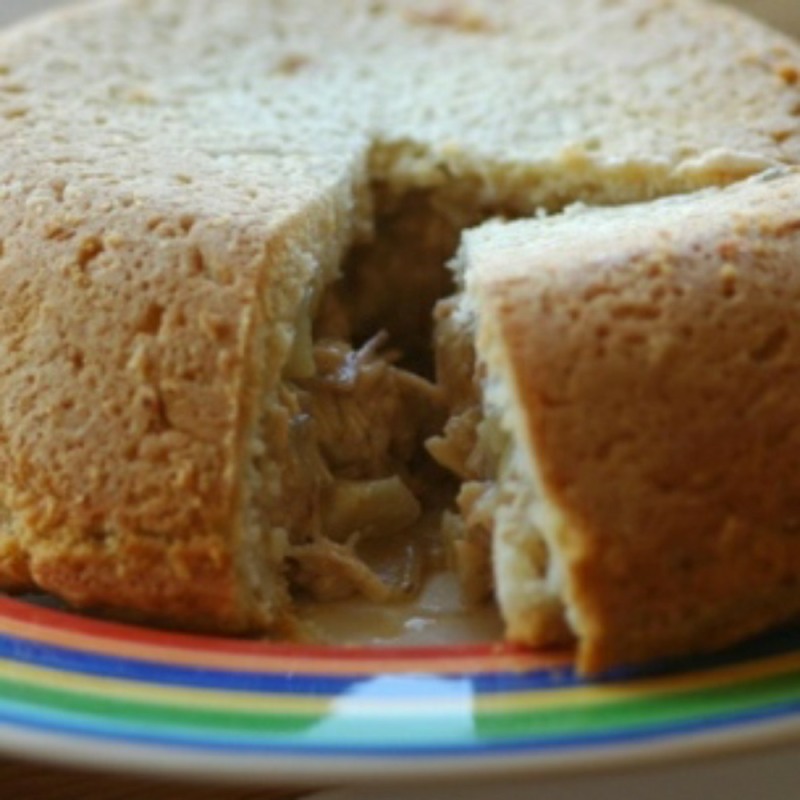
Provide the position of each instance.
(348, 476)
(381, 417)
(497, 536)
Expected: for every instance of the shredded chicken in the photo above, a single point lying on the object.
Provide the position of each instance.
(356, 423)
(373, 508)
(469, 537)
(330, 571)
(457, 371)
(469, 448)
(454, 450)
(458, 448)
(369, 415)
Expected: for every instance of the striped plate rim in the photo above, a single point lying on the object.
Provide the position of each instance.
(291, 712)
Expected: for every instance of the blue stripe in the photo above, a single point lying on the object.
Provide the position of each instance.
(50, 723)
(433, 686)
(143, 671)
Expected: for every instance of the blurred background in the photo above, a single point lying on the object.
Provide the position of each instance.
(784, 13)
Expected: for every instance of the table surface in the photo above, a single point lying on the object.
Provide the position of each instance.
(35, 782)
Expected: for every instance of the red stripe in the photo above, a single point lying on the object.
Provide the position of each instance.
(49, 618)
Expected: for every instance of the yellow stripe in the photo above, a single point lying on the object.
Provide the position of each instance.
(260, 703)
(676, 684)
(130, 691)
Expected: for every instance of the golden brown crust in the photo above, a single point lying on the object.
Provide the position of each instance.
(168, 170)
(192, 584)
(655, 355)
(122, 404)
(133, 370)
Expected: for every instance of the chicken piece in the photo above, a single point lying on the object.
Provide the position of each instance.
(370, 416)
(330, 566)
(356, 425)
(370, 508)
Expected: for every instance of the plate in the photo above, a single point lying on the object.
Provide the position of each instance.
(94, 693)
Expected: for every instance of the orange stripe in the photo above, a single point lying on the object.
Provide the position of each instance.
(336, 661)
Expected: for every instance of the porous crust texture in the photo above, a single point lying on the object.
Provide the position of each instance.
(174, 175)
(652, 354)
(131, 374)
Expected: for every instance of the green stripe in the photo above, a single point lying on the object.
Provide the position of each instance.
(652, 711)
(344, 725)
(155, 714)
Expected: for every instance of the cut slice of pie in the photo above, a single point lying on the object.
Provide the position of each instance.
(634, 431)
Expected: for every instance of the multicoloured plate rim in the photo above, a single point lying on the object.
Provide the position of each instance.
(96, 693)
